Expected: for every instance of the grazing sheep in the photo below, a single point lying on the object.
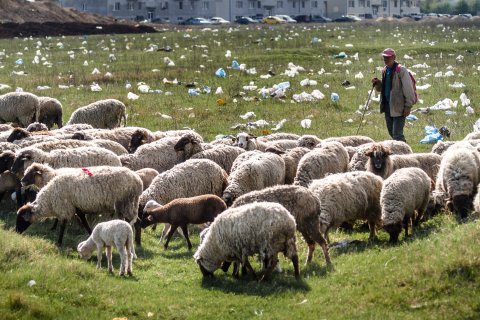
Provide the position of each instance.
(457, 180)
(39, 175)
(309, 141)
(472, 136)
(37, 126)
(147, 175)
(72, 158)
(191, 178)
(351, 141)
(358, 159)
(140, 137)
(159, 155)
(404, 198)
(183, 211)
(248, 142)
(84, 191)
(242, 158)
(291, 158)
(316, 164)
(304, 207)
(8, 146)
(258, 172)
(5, 127)
(25, 138)
(441, 146)
(72, 128)
(20, 107)
(106, 114)
(381, 161)
(346, 197)
(116, 233)
(50, 112)
(262, 228)
(476, 201)
(280, 136)
(113, 146)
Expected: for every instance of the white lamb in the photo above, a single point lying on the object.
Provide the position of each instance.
(116, 233)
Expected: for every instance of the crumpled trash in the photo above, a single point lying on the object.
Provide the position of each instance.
(411, 117)
(340, 55)
(476, 125)
(465, 101)
(193, 92)
(306, 123)
(248, 115)
(432, 135)
(235, 65)
(220, 73)
(19, 61)
(279, 125)
(445, 104)
(132, 96)
(334, 97)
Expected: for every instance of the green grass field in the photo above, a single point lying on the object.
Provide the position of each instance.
(432, 275)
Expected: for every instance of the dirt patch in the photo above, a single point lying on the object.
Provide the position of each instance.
(21, 18)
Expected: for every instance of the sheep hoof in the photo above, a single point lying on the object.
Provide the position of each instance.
(130, 273)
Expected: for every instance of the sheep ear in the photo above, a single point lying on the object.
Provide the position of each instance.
(149, 218)
(26, 156)
(39, 172)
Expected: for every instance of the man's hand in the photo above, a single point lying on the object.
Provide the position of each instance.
(406, 111)
(375, 81)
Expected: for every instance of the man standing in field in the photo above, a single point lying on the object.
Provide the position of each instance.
(397, 94)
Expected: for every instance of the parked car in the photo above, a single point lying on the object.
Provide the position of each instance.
(312, 18)
(246, 20)
(196, 22)
(347, 18)
(273, 20)
(160, 20)
(286, 18)
(219, 20)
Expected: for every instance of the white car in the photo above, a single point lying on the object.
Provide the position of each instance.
(286, 18)
(219, 20)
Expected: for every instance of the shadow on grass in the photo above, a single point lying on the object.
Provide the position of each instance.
(277, 284)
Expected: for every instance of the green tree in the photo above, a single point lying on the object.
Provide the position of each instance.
(462, 7)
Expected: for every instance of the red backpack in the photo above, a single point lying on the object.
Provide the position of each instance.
(414, 82)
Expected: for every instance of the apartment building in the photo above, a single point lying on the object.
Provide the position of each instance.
(176, 11)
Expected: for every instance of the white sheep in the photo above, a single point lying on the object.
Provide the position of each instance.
(262, 228)
(113, 146)
(404, 199)
(77, 158)
(308, 141)
(249, 142)
(381, 161)
(50, 112)
(304, 207)
(352, 141)
(346, 197)
(147, 175)
(458, 178)
(188, 179)
(291, 158)
(331, 157)
(107, 234)
(183, 211)
(101, 114)
(86, 190)
(8, 146)
(260, 171)
(20, 107)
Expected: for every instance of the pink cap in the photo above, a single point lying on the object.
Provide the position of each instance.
(389, 52)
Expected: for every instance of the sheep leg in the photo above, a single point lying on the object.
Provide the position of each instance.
(138, 233)
(130, 254)
(123, 252)
(318, 238)
(62, 232)
(296, 268)
(185, 233)
(99, 255)
(55, 223)
(248, 267)
(84, 222)
(109, 259)
(270, 264)
(373, 231)
(169, 235)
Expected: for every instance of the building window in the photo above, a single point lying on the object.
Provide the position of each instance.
(117, 6)
(395, 3)
(259, 4)
(368, 3)
(361, 3)
(205, 5)
(139, 6)
(293, 4)
(130, 6)
(239, 4)
(303, 4)
(165, 6)
(314, 4)
(251, 4)
(384, 4)
(280, 4)
(351, 3)
(180, 5)
(84, 7)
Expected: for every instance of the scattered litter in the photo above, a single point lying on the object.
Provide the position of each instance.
(306, 123)
(411, 117)
(220, 73)
(31, 283)
(248, 115)
(344, 244)
(432, 135)
(456, 85)
(279, 125)
(334, 97)
(132, 96)
(340, 55)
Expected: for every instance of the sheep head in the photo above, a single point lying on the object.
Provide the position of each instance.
(20, 160)
(145, 214)
(32, 175)
(138, 139)
(393, 230)
(378, 154)
(184, 140)
(25, 217)
(80, 136)
(462, 204)
(6, 161)
(18, 134)
(242, 139)
(308, 141)
(37, 126)
(84, 250)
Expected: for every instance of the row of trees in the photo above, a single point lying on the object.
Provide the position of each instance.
(458, 7)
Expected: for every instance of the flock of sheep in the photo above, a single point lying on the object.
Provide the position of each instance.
(250, 193)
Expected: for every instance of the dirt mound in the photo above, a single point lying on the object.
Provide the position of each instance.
(21, 18)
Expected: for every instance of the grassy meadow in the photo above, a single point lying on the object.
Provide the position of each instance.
(433, 275)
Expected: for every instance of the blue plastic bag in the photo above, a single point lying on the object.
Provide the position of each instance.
(432, 135)
(193, 92)
(411, 117)
(235, 65)
(334, 97)
(220, 73)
